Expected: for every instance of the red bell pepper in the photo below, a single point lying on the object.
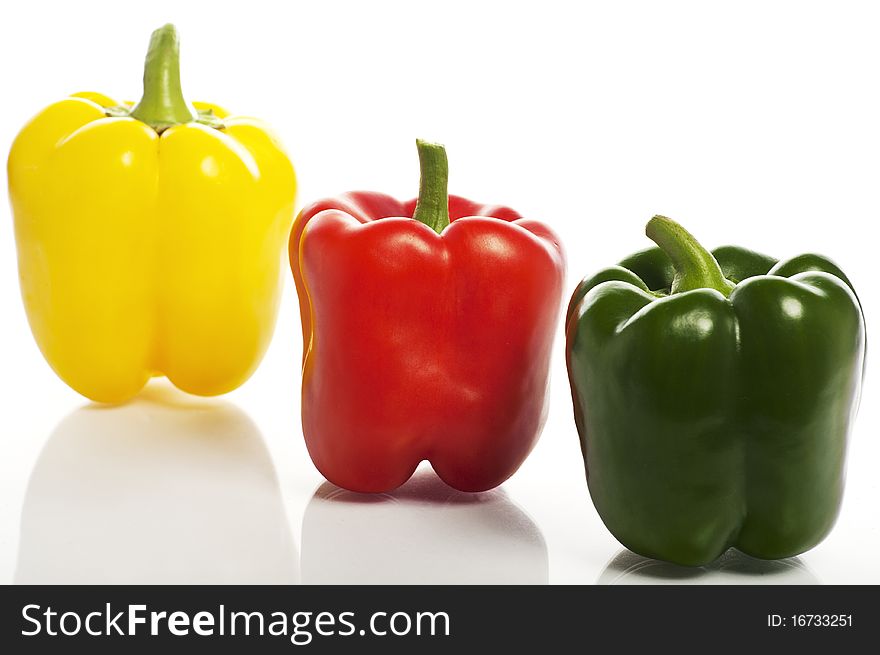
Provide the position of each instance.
(427, 329)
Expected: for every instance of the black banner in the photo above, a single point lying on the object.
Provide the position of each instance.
(429, 619)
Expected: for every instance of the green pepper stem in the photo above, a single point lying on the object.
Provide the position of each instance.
(162, 105)
(432, 207)
(695, 267)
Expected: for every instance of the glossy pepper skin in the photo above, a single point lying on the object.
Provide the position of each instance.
(714, 396)
(150, 239)
(427, 334)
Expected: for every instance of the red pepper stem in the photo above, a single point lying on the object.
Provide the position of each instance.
(695, 267)
(163, 105)
(432, 207)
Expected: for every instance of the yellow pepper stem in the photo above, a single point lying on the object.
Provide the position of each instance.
(163, 105)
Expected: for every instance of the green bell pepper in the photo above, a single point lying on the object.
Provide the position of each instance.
(713, 394)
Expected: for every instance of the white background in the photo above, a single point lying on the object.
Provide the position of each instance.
(753, 123)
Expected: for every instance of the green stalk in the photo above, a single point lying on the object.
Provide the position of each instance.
(162, 105)
(695, 267)
(432, 207)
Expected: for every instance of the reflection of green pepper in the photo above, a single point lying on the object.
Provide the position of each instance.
(713, 396)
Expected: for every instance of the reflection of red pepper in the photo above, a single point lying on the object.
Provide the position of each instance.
(426, 338)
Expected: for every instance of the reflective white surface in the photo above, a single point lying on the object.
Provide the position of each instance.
(167, 489)
(627, 568)
(176, 489)
(424, 533)
(755, 127)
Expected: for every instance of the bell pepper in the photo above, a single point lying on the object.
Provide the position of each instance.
(427, 330)
(713, 395)
(150, 238)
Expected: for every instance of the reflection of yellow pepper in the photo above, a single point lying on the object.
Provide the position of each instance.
(150, 239)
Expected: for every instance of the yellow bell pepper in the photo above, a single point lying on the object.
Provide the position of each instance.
(150, 238)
